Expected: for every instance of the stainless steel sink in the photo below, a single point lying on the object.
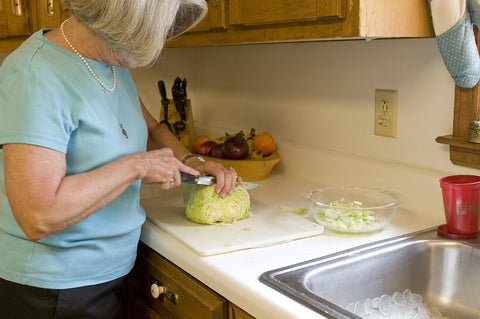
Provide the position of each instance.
(444, 271)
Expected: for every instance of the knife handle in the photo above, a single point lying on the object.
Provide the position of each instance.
(184, 89)
(163, 91)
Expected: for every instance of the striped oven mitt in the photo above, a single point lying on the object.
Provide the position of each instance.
(453, 24)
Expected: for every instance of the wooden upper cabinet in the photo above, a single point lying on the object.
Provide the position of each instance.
(395, 18)
(254, 21)
(331, 8)
(20, 18)
(216, 17)
(3, 20)
(253, 12)
(15, 23)
(48, 14)
(17, 18)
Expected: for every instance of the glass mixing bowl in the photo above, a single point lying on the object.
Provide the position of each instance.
(353, 209)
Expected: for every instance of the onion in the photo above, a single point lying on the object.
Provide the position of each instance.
(206, 148)
(217, 151)
(235, 148)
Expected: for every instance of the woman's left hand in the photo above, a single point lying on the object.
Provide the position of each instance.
(160, 137)
(227, 179)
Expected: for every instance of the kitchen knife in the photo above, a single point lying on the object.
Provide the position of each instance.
(178, 100)
(210, 180)
(179, 91)
(197, 179)
(165, 102)
(183, 108)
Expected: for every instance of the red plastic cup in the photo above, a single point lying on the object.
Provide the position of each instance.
(461, 200)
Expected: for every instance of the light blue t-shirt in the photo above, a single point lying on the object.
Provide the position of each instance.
(49, 98)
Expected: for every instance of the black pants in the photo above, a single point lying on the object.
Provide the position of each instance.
(102, 301)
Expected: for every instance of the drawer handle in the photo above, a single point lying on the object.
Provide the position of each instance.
(157, 289)
(17, 8)
(50, 8)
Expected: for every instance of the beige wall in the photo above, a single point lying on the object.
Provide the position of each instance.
(317, 99)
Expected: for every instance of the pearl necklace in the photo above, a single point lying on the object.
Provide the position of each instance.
(95, 76)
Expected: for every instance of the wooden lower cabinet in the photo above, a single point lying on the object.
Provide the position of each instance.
(183, 296)
(235, 312)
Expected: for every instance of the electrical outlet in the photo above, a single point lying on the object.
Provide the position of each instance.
(386, 102)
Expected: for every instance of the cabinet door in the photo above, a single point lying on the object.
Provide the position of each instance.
(138, 309)
(17, 17)
(253, 12)
(48, 13)
(235, 312)
(3, 19)
(331, 8)
(183, 297)
(216, 17)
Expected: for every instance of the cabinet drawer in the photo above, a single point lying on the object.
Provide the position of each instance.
(253, 12)
(184, 297)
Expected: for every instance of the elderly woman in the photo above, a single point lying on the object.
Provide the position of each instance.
(74, 137)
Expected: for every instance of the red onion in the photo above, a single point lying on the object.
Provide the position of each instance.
(235, 147)
(217, 151)
(206, 148)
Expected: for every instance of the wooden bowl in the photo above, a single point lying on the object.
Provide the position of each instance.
(251, 169)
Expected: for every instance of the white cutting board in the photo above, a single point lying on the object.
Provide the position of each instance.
(269, 225)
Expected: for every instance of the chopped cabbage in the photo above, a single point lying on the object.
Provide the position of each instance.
(298, 211)
(204, 206)
(350, 217)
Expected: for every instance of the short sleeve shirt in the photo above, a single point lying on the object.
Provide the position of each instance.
(49, 98)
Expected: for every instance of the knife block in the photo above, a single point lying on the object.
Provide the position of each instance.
(188, 134)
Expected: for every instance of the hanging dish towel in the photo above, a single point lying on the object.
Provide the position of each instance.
(453, 22)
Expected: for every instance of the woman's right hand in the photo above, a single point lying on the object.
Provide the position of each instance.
(45, 200)
(161, 167)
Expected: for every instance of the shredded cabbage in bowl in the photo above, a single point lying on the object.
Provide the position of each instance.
(352, 209)
(350, 217)
(204, 206)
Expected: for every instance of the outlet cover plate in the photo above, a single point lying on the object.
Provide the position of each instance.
(386, 105)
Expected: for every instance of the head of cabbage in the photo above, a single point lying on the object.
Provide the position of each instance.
(204, 206)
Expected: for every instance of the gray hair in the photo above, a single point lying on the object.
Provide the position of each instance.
(138, 29)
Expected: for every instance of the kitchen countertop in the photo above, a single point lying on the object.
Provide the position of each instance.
(234, 275)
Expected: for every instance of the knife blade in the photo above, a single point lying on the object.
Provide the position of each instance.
(210, 180)
(197, 179)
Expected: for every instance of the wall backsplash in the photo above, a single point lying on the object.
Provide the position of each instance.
(317, 99)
